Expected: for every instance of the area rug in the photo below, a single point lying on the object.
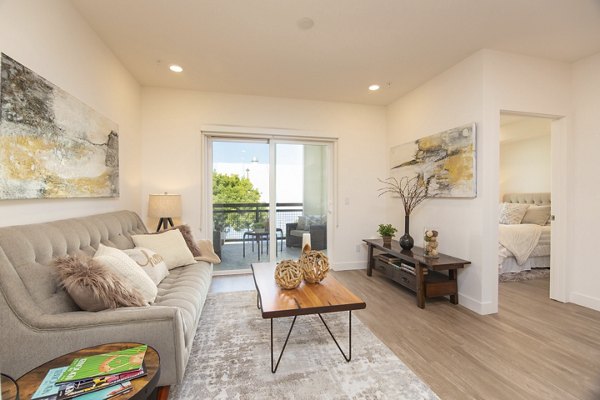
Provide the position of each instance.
(543, 273)
(231, 358)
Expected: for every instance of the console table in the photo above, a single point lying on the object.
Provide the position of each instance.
(413, 270)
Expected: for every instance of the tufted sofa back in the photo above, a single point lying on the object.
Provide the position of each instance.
(27, 253)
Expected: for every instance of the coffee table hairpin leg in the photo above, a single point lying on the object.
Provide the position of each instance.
(347, 358)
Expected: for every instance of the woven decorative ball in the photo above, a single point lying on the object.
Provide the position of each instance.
(288, 274)
(314, 264)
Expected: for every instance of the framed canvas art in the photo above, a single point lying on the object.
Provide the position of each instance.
(447, 160)
(51, 144)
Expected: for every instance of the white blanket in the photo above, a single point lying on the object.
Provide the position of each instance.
(520, 239)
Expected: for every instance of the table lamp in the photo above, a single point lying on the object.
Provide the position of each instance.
(165, 207)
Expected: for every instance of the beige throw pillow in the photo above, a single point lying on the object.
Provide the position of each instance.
(117, 261)
(93, 287)
(538, 215)
(186, 232)
(152, 263)
(170, 245)
(512, 213)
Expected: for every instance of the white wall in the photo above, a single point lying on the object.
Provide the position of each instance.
(451, 99)
(585, 196)
(52, 39)
(476, 90)
(172, 156)
(525, 165)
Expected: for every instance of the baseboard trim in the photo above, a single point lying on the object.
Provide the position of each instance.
(477, 306)
(585, 301)
(349, 265)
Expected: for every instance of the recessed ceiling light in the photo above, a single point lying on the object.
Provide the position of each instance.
(175, 68)
(374, 87)
(305, 23)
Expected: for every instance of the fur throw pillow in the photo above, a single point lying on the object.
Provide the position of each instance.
(93, 286)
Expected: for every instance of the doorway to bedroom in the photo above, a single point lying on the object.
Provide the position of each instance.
(525, 204)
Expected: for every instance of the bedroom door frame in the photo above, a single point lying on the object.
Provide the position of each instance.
(558, 193)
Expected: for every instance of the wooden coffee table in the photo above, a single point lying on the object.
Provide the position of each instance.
(319, 298)
(142, 387)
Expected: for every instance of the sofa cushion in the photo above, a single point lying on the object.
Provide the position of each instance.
(170, 245)
(120, 263)
(186, 288)
(31, 250)
(151, 263)
(298, 232)
(95, 287)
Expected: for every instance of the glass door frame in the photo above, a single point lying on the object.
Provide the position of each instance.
(272, 137)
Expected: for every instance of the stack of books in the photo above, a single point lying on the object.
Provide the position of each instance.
(96, 377)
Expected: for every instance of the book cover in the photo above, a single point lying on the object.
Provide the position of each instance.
(72, 389)
(108, 392)
(104, 364)
(48, 389)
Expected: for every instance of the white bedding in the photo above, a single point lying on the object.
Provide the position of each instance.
(530, 242)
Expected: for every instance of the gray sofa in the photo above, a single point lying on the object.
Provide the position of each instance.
(39, 321)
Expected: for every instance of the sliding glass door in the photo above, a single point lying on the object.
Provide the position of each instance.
(268, 197)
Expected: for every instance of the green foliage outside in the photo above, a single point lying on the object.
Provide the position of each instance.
(234, 189)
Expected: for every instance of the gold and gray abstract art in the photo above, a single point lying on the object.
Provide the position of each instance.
(447, 160)
(51, 144)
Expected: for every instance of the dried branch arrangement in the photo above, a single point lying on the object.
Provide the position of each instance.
(412, 191)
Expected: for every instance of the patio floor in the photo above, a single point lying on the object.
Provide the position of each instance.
(232, 257)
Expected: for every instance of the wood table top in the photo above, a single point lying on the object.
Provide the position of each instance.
(142, 387)
(417, 254)
(327, 296)
(10, 391)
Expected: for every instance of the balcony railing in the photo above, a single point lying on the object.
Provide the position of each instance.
(236, 218)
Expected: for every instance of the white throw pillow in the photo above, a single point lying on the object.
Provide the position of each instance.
(119, 262)
(512, 213)
(170, 245)
(151, 262)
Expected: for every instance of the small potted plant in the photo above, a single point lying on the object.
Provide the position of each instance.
(387, 231)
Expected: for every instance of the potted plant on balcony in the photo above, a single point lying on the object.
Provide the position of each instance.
(386, 231)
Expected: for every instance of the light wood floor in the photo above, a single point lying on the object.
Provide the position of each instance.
(534, 348)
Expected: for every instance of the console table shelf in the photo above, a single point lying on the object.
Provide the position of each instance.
(411, 269)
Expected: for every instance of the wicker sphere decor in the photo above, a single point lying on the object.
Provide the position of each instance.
(314, 264)
(288, 274)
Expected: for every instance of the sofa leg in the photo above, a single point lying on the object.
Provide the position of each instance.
(162, 392)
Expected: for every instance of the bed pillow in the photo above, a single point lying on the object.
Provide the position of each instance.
(512, 213)
(94, 287)
(118, 262)
(151, 263)
(170, 245)
(538, 215)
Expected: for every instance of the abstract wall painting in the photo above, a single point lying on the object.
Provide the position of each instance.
(51, 144)
(447, 160)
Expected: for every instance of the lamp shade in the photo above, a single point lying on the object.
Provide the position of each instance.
(164, 206)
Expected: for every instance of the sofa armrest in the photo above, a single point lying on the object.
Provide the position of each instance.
(119, 316)
(318, 237)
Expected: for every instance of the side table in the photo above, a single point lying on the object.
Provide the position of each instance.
(143, 387)
(10, 389)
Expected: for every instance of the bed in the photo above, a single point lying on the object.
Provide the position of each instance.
(525, 246)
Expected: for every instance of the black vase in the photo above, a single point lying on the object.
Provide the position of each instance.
(406, 241)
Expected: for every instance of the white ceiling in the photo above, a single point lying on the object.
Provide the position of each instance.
(255, 46)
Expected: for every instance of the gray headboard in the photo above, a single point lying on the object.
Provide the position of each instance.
(538, 199)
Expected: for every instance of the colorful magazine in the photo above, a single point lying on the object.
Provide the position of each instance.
(48, 389)
(72, 389)
(108, 392)
(104, 364)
